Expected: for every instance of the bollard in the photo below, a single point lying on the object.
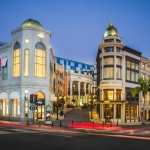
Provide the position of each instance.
(134, 119)
(117, 122)
(72, 123)
(80, 123)
(93, 124)
(39, 124)
(60, 123)
(110, 123)
(27, 122)
(103, 123)
(52, 124)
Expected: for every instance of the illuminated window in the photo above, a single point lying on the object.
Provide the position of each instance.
(5, 107)
(40, 60)
(118, 95)
(109, 72)
(16, 103)
(128, 74)
(132, 65)
(118, 61)
(118, 73)
(16, 60)
(143, 66)
(109, 61)
(136, 66)
(128, 64)
(109, 95)
(26, 63)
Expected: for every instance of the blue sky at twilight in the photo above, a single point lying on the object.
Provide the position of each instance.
(77, 26)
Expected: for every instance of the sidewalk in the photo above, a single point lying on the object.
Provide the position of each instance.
(97, 120)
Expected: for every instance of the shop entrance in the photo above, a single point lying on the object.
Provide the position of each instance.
(108, 112)
(39, 113)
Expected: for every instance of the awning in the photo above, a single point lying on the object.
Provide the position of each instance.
(3, 95)
(52, 98)
(14, 95)
(3, 63)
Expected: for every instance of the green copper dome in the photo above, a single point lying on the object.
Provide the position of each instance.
(111, 31)
(31, 22)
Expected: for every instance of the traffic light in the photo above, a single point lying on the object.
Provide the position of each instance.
(31, 98)
(35, 98)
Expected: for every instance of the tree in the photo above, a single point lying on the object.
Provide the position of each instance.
(143, 88)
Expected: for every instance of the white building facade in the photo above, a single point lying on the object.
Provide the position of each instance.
(25, 70)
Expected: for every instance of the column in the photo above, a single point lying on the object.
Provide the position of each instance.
(115, 112)
(122, 112)
(102, 111)
(115, 66)
(115, 94)
(102, 69)
(78, 93)
(84, 92)
(70, 92)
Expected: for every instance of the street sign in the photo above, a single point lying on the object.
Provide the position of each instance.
(40, 102)
(33, 107)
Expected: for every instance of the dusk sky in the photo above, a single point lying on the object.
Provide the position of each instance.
(77, 26)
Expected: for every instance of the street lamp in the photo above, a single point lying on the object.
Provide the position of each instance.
(92, 99)
(26, 102)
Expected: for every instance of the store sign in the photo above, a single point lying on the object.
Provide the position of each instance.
(40, 102)
(41, 34)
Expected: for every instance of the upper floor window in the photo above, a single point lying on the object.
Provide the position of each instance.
(4, 68)
(40, 60)
(118, 49)
(109, 49)
(16, 60)
(108, 60)
(143, 66)
(118, 61)
(26, 63)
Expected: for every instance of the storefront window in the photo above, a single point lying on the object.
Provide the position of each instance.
(40, 60)
(5, 107)
(131, 111)
(16, 103)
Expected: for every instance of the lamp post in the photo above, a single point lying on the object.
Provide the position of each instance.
(57, 105)
(26, 102)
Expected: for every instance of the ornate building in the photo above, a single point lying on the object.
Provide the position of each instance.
(117, 72)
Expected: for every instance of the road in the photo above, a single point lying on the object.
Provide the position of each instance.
(64, 139)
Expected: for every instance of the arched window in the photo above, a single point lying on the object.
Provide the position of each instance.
(40, 60)
(16, 60)
(26, 63)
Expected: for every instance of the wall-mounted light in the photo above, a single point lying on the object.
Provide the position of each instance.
(26, 96)
(27, 40)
